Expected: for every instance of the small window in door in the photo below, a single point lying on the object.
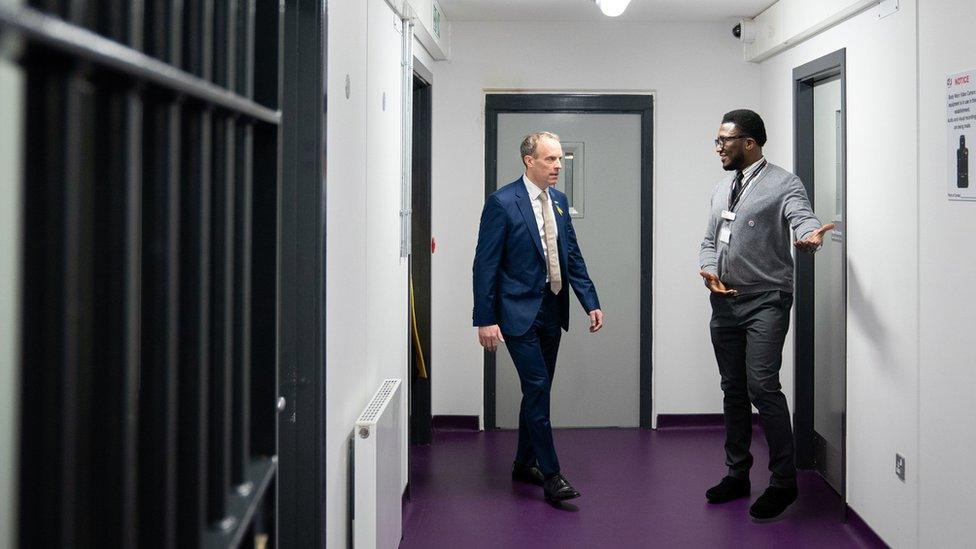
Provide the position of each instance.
(571, 180)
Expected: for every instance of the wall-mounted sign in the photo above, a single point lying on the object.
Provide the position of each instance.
(961, 116)
(437, 19)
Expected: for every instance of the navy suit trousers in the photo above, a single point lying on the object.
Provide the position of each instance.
(534, 354)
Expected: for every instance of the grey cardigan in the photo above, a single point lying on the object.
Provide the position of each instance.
(757, 257)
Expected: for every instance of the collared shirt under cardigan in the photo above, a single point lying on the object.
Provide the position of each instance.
(758, 256)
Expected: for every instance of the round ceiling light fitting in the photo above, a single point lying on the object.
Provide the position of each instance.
(612, 8)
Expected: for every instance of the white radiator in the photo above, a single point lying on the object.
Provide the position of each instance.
(378, 470)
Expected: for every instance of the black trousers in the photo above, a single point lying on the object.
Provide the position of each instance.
(748, 332)
(534, 354)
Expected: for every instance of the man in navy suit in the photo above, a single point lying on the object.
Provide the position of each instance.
(526, 255)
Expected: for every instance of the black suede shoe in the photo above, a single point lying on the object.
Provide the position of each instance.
(772, 503)
(729, 489)
(558, 488)
(527, 473)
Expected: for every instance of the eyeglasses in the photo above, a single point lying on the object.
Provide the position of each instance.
(721, 141)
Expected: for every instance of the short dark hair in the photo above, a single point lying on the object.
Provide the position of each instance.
(749, 122)
(531, 142)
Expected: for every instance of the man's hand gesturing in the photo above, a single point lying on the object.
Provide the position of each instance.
(715, 285)
(813, 242)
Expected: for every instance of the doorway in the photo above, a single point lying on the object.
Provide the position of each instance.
(821, 293)
(604, 380)
(420, 258)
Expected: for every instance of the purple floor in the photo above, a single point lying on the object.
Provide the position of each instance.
(640, 489)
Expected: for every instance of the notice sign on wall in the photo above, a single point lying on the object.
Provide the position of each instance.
(961, 111)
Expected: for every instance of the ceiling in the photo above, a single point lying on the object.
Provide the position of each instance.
(587, 10)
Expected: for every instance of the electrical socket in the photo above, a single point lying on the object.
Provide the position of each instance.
(900, 467)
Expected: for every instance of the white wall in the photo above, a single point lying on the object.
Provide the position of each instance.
(346, 379)
(11, 178)
(947, 440)
(421, 54)
(697, 74)
(386, 271)
(366, 283)
(789, 22)
(882, 331)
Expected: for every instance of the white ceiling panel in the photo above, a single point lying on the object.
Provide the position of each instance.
(587, 10)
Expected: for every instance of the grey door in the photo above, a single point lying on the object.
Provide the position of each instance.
(597, 375)
(830, 285)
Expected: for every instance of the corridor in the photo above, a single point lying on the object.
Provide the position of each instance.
(640, 489)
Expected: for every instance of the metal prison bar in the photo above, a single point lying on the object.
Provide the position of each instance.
(152, 177)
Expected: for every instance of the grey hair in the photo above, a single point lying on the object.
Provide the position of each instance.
(531, 141)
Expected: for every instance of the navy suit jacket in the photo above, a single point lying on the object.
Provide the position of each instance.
(510, 268)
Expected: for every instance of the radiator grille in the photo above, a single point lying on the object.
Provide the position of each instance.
(375, 406)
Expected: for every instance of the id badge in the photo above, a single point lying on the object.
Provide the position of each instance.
(728, 216)
(724, 234)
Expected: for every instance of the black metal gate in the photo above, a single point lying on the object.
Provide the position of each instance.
(153, 162)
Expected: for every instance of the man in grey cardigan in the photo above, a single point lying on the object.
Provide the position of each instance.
(746, 263)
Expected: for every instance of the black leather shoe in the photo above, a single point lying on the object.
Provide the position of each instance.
(729, 489)
(527, 473)
(558, 488)
(772, 503)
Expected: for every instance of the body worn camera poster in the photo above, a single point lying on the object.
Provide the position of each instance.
(961, 111)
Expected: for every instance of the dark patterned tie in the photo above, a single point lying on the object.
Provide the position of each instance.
(736, 189)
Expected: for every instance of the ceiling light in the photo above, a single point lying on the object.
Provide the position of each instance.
(612, 8)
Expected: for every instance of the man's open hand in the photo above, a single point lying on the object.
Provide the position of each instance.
(715, 285)
(812, 243)
(596, 320)
(490, 336)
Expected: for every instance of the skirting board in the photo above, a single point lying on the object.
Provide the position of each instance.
(862, 530)
(463, 423)
(669, 421)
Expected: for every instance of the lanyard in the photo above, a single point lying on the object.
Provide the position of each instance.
(745, 185)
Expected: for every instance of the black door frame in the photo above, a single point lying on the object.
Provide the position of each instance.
(805, 77)
(590, 104)
(420, 257)
(302, 277)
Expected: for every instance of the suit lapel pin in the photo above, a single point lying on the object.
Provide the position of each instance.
(558, 209)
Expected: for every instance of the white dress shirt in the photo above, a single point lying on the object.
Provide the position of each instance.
(747, 177)
(747, 173)
(534, 193)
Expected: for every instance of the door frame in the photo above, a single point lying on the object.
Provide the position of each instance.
(420, 256)
(586, 104)
(302, 276)
(805, 78)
